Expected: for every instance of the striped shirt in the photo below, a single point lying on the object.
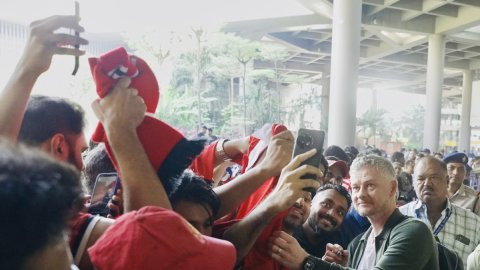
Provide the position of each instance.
(460, 232)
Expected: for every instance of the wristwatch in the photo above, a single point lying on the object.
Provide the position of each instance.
(309, 263)
(220, 151)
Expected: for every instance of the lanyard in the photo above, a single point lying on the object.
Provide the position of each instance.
(442, 224)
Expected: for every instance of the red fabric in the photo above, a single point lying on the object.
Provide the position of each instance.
(259, 257)
(347, 183)
(157, 137)
(155, 238)
(76, 225)
(255, 198)
(204, 164)
(143, 78)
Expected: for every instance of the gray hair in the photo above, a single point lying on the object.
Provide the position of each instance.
(381, 164)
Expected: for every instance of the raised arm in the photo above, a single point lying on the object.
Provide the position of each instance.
(278, 155)
(290, 187)
(42, 44)
(121, 112)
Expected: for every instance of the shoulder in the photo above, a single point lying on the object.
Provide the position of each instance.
(460, 211)
(408, 209)
(412, 228)
(470, 191)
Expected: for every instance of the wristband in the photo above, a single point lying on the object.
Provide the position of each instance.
(220, 151)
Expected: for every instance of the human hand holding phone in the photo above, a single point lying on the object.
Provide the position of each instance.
(306, 140)
(106, 186)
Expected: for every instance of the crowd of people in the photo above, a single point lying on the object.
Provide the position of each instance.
(173, 208)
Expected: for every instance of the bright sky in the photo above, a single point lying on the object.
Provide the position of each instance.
(121, 15)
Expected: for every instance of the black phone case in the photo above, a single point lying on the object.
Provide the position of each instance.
(306, 140)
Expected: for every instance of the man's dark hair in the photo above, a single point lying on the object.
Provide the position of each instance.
(47, 116)
(96, 162)
(352, 149)
(193, 188)
(340, 189)
(441, 164)
(372, 151)
(398, 157)
(38, 196)
(352, 152)
(336, 151)
(409, 162)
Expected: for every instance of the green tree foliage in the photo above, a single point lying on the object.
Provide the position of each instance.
(410, 126)
(213, 81)
(372, 123)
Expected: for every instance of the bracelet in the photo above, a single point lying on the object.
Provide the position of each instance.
(220, 150)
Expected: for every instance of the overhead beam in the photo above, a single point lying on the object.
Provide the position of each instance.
(294, 66)
(282, 24)
(392, 20)
(321, 7)
(466, 18)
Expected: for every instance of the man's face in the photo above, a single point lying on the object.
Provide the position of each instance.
(430, 182)
(409, 168)
(77, 146)
(334, 175)
(372, 193)
(398, 168)
(197, 214)
(456, 172)
(298, 213)
(329, 208)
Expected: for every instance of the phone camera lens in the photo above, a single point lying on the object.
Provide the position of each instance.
(305, 140)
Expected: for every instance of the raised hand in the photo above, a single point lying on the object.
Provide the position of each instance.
(121, 110)
(43, 43)
(291, 186)
(286, 250)
(335, 254)
(279, 153)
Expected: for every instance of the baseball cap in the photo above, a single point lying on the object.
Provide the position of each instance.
(457, 157)
(156, 238)
(341, 165)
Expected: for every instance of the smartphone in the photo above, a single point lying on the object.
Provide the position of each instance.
(306, 140)
(106, 185)
(77, 34)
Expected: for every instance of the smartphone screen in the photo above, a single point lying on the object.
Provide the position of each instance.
(103, 191)
(306, 140)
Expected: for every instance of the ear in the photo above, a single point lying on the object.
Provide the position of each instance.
(394, 188)
(59, 147)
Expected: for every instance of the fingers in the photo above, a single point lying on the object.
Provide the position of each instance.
(299, 159)
(66, 39)
(123, 83)
(285, 135)
(97, 109)
(335, 253)
(55, 22)
(68, 51)
(306, 169)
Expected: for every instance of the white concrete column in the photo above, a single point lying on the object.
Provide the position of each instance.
(465, 128)
(325, 98)
(436, 55)
(344, 72)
